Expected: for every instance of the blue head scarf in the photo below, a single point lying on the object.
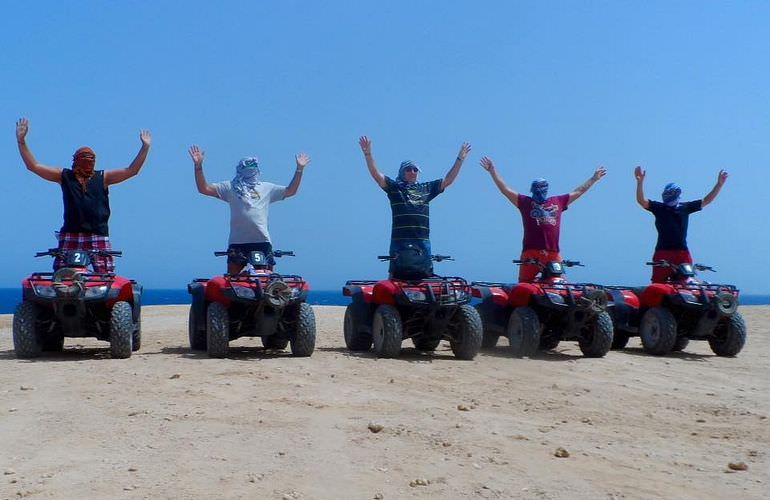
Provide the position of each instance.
(246, 178)
(671, 194)
(539, 190)
(404, 165)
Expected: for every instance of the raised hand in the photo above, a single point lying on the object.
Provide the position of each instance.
(639, 174)
(145, 137)
(302, 160)
(722, 177)
(599, 173)
(464, 150)
(22, 127)
(487, 164)
(197, 155)
(366, 144)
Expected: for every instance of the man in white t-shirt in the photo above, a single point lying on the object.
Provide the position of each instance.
(249, 199)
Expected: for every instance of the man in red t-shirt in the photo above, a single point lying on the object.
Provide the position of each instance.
(541, 216)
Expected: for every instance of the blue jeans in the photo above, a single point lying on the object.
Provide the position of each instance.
(397, 245)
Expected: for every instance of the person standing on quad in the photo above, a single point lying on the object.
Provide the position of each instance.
(85, 192)
(671, 220)
(249, 198)
(541, 216)
(410, 200)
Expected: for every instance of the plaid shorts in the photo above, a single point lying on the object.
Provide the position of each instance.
(87, 241)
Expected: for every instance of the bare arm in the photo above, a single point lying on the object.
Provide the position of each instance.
(581, 189)
(488, 165)
(302, 160)
(121, 174)
(204, 187)
(640, 198)
(48, 173)
(455, 170)
(366, 147)
(721, 179)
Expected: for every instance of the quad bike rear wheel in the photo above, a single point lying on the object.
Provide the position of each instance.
(53, 342)
(620, 339)
(468, 333)
(387, 331)
(680, 344)
(658, 331)
(549, 343)
(217, 330)
(597, 340)
(26, 338)
(523, 331)
(121, 330)
(136, 337)
(195, 333)
(356, 339)
(423, 344)
(730, 336)
(303, 342)
(488, 339)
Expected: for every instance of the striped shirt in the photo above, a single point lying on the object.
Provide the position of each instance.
(409, 204)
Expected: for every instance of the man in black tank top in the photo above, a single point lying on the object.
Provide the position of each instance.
(85, 193)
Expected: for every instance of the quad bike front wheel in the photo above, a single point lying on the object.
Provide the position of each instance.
(523, 331)
(425, 344)
(217, 330)
(468, 333)
(303, 341)
(730, 336)
(356, 339)
(274, 342)
(597, 340)
(680, 344)
(121, 330)
(387, 332)
(620, 339)
(658, 331)
(26, 338)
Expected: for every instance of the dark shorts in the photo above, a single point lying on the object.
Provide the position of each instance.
(396, 245)
(266, 248)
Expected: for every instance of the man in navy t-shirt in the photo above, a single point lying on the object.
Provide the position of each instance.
(409, 199)
(671, 220)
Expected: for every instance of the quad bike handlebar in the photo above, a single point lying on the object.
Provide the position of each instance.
(665, 263)
(58, 252)
(535, 262)
(276, 253)
(436, 258)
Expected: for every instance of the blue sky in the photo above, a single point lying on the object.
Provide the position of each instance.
(547, 89)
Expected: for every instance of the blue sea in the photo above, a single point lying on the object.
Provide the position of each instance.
(10, 297)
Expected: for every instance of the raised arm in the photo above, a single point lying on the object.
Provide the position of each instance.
(48, 173)
(488, 165)
(302, 160)
(455, 170)
(122, 174)
(721, 179)
(581, 189)
(204, 187)
(640, 174)
(366, 147)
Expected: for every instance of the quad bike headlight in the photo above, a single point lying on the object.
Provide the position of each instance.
(95, 291)
(44, 291)
(243, 292)
(555, 297)
(688, 297)
(415, 295)
(296, 292)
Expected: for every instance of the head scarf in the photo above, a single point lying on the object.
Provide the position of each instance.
(671, 194)
(401, 170)
(83, 164)
(539, 190)
(246, 178)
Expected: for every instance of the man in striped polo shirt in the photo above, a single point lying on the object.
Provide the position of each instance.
(409, 199)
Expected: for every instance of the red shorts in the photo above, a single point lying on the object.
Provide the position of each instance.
(87, 241)
(661, 274)
(528, 272)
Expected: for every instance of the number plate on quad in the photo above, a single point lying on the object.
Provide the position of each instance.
(78, 259)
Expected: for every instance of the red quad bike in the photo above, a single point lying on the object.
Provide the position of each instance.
(668, 315)
(540, 314)
(73, 302)
(255, 303)
(424, 307)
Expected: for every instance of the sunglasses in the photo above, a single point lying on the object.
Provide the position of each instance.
(411, 169)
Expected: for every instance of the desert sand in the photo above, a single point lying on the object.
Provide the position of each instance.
(170, 423)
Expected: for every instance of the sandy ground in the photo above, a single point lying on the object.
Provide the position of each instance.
(169, 423)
